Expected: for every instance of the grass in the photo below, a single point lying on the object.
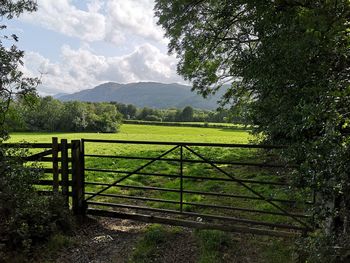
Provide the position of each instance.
(148, 133)
(210, 243)
(207, 246)
(178, 134)
(147, 248)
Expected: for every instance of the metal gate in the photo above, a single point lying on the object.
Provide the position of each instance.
(230, 187)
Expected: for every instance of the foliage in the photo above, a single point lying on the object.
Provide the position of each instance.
(26, 217)
(153, 118)
(128, 110)
(189, 124)
(326, 248)
(49, 114)
(288, 62)
(187, 114)
(12, 81)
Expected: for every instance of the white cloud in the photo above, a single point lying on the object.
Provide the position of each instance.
(63, 17)
(95, 6)
(126, 23)
(111, 20)
(133, 16)
(81, 69)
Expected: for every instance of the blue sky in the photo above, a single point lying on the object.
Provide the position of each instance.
(75, 45)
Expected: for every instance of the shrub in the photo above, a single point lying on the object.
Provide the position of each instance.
(153, 118)
(26, 218)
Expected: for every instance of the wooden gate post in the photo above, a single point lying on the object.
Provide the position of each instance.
(55, 169)
(78, 199)
(65, 171)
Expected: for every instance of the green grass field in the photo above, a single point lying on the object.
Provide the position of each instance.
(147, 132)
(179, 134)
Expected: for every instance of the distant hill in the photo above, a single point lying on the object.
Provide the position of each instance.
(144, 94)
(59, 95)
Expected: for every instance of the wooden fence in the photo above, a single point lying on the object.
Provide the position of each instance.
(61, 162)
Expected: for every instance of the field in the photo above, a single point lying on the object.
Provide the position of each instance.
(116, 168)
(142, 132)
(179, 134)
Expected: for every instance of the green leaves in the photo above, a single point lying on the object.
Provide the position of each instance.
(288, 62)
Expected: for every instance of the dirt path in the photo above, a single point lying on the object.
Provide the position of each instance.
(104, 240)
(116, 240)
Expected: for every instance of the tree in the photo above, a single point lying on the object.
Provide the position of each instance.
(12, 81)
(103, 117)
(131, 110)
(74, 117)
(187, 114)
(144, 113)
(26, 217)
(288, 65)
(45, 115)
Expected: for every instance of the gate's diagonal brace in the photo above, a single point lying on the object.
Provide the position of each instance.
(37, 156)
(131, 173)
(248, 187)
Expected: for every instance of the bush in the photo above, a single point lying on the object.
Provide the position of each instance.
(321, 247)
(26, 217)
(153, 118)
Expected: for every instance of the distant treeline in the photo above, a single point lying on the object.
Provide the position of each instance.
(190, 124)
(49, 114)
(187, 114)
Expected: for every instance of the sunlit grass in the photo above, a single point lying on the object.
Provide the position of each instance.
(177, 134)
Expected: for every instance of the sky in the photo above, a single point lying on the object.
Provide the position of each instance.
(78, 44)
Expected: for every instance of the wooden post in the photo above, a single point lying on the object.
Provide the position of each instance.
(64, 171)
(77, 179)
(181, 178)
(55, 150)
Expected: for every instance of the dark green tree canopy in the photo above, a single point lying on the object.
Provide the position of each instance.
(187, 114)
(288, 63)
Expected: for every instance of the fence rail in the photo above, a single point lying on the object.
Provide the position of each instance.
(57, 155)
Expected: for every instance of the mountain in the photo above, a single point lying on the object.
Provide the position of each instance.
(59, 95)
(145, 94)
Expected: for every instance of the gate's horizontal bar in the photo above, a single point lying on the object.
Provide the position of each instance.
(50, 170)
(136, 198)
(50, 159)
(246, 210)
(229, 145)
(192, 214)
(50, 182)
(200, 193)
(187, 160)
(190, 177)
(201, 204)
(193, 224)
(126, 172)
